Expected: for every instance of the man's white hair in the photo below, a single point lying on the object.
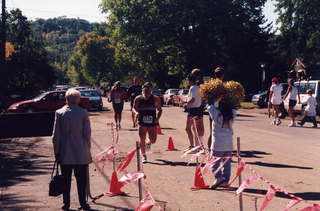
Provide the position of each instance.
(73, 96)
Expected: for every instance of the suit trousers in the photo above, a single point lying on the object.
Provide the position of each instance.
(80, 172)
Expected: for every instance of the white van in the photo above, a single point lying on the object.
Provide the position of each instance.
(303, 86)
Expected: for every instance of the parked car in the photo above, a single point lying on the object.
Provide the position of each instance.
(303, 86)
(95, 99)
(48, 101)
(261, 99)
(168, 95)
(181, 98)
(159, 93)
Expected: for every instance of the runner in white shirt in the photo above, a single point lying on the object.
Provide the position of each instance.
(294, 94)
(275, 99)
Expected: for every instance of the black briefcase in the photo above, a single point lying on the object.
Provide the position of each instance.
(57, 183)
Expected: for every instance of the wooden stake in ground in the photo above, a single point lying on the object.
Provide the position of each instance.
(239, 178)
(139, 169)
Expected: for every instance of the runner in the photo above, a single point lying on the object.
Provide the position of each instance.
(145, 108)
(117, 96)
(195, 114)
(294, 93)
(133, 92)
(275, 99)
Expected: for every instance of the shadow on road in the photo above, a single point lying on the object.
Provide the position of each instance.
(252, 154)
(171, 163)
(18, 160)
(276, 165)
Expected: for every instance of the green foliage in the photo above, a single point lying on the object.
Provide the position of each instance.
(93, 61)
(60, 36)
(164, 39)
(27, 70)
(300, 30)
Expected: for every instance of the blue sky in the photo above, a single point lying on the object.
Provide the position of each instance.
(84, 9)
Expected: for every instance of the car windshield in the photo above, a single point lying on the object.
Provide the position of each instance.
(89, 93)
(38, 97)
(185, 91)
(157, 92)
(303, 87)
(174, 91)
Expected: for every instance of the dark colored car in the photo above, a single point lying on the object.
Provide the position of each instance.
(159, 93)
(47, 101)
(95, 99)
(261, 99)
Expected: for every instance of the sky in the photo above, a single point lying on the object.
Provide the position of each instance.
(84, 9)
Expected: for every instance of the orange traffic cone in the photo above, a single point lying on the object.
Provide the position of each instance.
(115, 185)
(171, 145)
(159, 130)
(198, 180)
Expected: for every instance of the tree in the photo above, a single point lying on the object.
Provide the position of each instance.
(93, 60)
(165, 39)
(300, 30)
(27, 68)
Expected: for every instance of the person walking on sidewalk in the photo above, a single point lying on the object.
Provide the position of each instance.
(195, 114)
(71, 142)
(147, 108)
(222, 114)
(293, 94)
(310, 111)
(117, 96)
(275, 99)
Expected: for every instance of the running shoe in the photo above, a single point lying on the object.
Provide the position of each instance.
(292, 124)
(144, 159)
(190, 147)
(278, 122)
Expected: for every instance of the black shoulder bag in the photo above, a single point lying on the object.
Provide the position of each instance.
(57, 183)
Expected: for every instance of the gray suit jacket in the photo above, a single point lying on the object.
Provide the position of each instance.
(71, 135)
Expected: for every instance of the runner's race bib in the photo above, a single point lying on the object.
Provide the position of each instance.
(117, 100)
(147, 119)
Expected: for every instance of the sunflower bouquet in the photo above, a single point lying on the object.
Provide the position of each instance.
(215, 88)
(235, 92)
(212, 89)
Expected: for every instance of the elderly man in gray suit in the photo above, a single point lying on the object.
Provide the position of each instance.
(71, 141)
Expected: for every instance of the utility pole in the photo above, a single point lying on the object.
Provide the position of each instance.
(3, 34)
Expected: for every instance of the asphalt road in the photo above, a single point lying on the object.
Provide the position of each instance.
(287, 157)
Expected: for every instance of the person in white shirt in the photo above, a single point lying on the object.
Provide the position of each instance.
(195, 113)
(310, 111)
(275, 99)
(293, 94)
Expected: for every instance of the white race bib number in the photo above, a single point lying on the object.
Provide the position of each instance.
(147, 119)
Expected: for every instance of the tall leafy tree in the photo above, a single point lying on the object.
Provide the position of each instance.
(164, 39)
(27, 70)
(300, 30)
(93, 60)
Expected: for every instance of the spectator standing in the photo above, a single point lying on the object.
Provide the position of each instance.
(222, 114)
(218, 73)
(293, 94)
(117, 96)
(71, 142)
(310, 111)
(195, 114)
(275, 99)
